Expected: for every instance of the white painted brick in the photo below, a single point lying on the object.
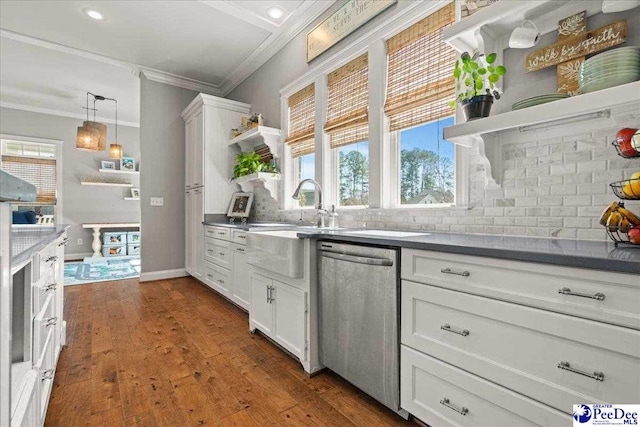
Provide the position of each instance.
(505, 221)
(562, 190)
(538, 171)
(450, 220)
(492, 229)
(578, 178)
(601, 200)
(538, 231)
(526, 221)
(514, 192)
(514, 173)
(515, 231)
(527, 201)
(600, 188)
(565, 233)
(549, 222)
(537, 211)
(578, 222)
(550, 200)
(564, 147)
(538, 151)
(591, 211)
(583, 200)
(550, 159)
(577, 157)
(588, 234)
(526, 182)
(467, 220)
(622, 163)
(442, 227)
(592, 166)
(494, 211)
(515, 211)
(457, 228)
(486, 220)
(563, 169)
(569, 211)
(478, 229)
(524, 162)
(551, 180)
(607, 176)
(538, 191)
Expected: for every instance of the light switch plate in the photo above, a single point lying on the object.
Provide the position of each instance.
(80, 241)
(157, 201)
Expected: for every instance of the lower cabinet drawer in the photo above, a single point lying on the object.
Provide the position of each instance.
(442, 395)
(218, 252)
(44, 323)
(217, 278)
(41, 292)
(46, 370)
(556, 359)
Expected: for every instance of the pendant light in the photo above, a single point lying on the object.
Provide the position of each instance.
(87, 138)
(100, 127)
(115, 150)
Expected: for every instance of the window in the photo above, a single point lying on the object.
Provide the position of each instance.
(348, 129)
(301, 139)
(419, 87)
(36, 164)
(427, 165)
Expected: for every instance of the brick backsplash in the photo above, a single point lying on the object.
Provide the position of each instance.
(554, 187)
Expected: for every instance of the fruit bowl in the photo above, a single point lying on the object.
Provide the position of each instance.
(627, 189)
(627, 143)
(620, 236)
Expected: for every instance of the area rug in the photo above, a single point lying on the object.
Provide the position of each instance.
(101, 270)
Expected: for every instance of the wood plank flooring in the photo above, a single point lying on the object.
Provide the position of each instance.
(174, 353)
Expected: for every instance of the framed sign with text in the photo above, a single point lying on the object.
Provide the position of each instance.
(352, 15)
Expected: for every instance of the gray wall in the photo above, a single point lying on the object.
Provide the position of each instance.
(162, 147)
(80, 203)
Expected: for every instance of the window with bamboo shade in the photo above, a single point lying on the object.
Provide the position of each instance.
(420, 66)
(302, 110)
(39, 172)
(348, 103)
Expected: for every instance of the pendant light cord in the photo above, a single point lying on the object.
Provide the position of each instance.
(101, 98)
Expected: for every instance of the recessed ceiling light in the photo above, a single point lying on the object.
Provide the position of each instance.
(93, 14)
(275, 12)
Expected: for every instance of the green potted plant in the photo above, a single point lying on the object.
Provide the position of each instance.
(248, 163)
(476, 77)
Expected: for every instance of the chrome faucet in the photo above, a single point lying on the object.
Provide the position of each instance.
(320, 211)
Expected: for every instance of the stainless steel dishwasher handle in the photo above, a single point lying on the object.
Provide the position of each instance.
(359, 259)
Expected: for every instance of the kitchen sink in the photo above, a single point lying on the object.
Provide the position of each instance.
(386, 233)
(279, 251)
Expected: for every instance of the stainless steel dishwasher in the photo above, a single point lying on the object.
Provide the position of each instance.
(358, 318)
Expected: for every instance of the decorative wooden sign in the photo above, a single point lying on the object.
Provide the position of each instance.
(352, 15)
(567, 72)
(577, 46)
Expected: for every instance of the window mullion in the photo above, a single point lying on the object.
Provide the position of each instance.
(378, 135)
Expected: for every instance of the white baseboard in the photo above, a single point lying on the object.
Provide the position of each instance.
(77, 257)
(163, 274)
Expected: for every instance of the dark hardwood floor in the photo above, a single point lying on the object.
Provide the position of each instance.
(174, 353)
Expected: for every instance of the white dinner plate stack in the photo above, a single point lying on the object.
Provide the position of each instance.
(611, 68)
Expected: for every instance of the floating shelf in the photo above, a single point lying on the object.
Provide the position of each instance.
(260, 135)
(488, 29)
(270, 181)
(132, 198)
(106, 184)
(568, 111)
(119, 171)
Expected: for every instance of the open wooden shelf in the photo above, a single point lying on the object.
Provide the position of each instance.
(106, 184)
(132, 198)
(260, 135)
(270, 181)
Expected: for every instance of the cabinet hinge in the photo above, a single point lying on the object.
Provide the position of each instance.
(306, 307)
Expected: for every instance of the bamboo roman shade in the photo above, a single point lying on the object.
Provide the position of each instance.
(39, 172)
(302, 117)
(348, 103)
(420, 82)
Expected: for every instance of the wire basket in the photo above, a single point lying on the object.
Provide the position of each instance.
(619, 236)
(627, 154)
(627, 189)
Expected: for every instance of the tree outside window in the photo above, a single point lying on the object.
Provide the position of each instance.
(306, 169)
(427, 165)
(353, 174)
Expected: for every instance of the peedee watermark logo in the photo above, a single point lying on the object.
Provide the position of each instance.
(605, 415)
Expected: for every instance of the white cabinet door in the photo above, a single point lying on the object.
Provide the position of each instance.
(290, 324)
(197, 242)
(189, 234)
(241, 292)
(27, 409)
(261, 310)
(194, 151)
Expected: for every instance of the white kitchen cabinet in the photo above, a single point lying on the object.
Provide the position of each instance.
(241, 291)
(279, 311)
(208, 168)
(507, 339)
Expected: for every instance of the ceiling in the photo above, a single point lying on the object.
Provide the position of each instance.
(51, 53)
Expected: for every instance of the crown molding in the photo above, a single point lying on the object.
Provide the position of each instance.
(214, 101)
(179, 81)
(61, 113)
(273, 44)
(135, 69)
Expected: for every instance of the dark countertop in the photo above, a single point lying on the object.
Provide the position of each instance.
(569, 253)
(563, 252)
(26, 240)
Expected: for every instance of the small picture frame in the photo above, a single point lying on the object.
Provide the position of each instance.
(107, 165)
(127, 164)
(135, 192)
(240, 205)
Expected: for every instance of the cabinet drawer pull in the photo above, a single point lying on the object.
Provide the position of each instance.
(222, 253)
(448, 328)
(51, 321)
(51, 287)
(51, 259)
(270, 298)
(210, 251)
(566, 291)
(47, 375)
(209, 275)
(221, 233)
(221, 281)
(598, 376)
(210, 232)
(242, 236)
(461, 411)
(239, 249)
(457, 273)
(64, 242)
